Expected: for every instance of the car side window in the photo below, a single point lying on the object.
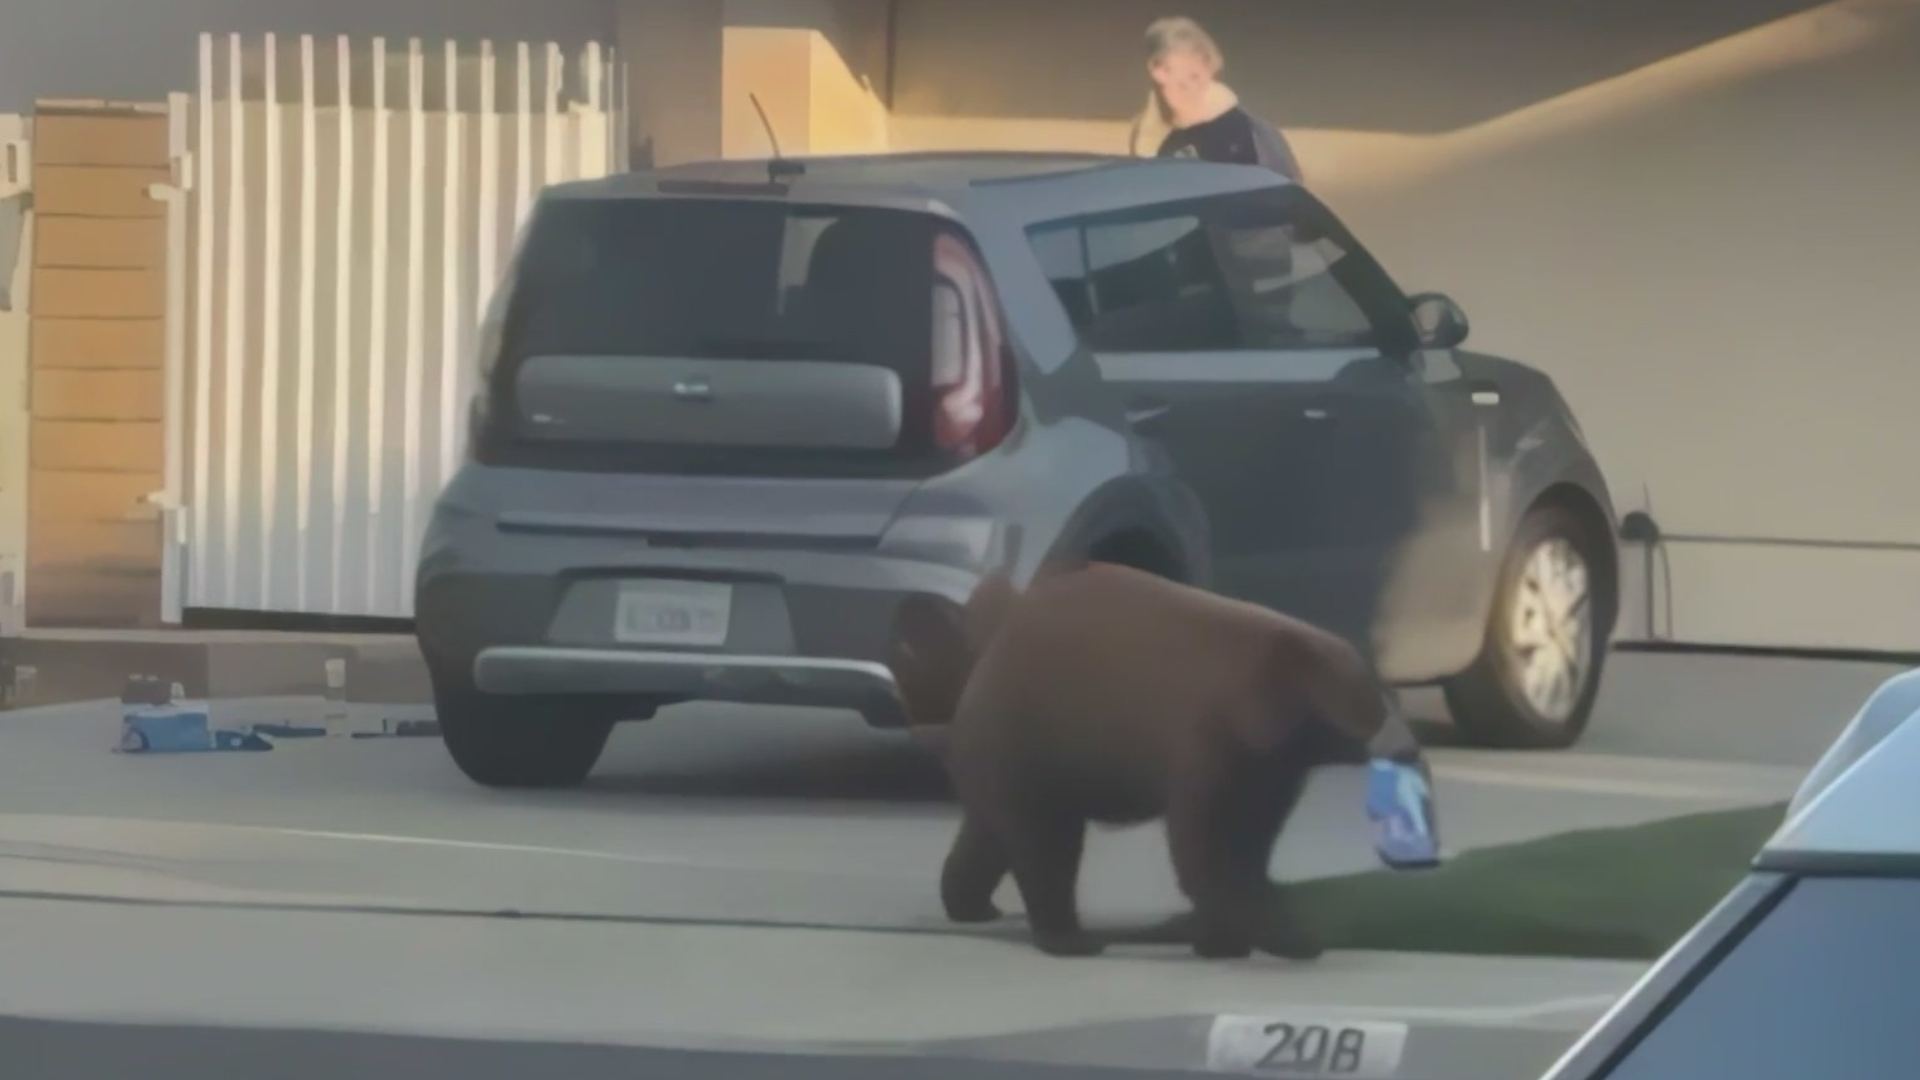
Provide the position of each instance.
(1254, 271)
(1155, 286)
(1284, 268)
(1063, 258)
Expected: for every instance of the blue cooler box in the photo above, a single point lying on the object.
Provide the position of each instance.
(154, 719)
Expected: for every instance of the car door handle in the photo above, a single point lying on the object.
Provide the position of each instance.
(1147, 412)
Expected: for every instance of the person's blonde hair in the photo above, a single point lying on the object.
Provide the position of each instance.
(1164, 37)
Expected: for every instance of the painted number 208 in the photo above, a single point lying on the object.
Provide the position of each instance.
(1313, 1050)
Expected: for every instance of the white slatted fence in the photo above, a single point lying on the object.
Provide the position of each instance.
(352, 201)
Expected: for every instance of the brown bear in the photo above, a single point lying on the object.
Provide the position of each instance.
(1107, 694)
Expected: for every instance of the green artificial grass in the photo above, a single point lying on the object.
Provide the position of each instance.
(1624, 893)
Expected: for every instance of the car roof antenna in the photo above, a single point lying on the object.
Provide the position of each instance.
(778, 167)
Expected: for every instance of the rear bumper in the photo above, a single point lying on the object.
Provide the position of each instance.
(844, 612)
(864, 686)
(887, 651)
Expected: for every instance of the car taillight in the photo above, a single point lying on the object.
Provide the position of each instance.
(489, 343)
(972, 410)
(480, 405)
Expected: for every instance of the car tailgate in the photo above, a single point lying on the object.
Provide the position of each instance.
(706, 402)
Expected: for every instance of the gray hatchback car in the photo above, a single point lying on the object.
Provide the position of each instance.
(754, 431)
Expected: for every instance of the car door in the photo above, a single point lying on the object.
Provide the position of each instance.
(1447, 577)
(1145, 289)
(1382, 544)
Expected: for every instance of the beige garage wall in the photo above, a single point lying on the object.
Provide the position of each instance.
(674, 60)
(1719, 251)
(1705, 224)
(819, 69)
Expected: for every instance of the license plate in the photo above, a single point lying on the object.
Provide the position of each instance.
(672, 613)
(1298, 1047)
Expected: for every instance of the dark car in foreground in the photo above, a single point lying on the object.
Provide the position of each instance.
(1811, 965)
(754, 431)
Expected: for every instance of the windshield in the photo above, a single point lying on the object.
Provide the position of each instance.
(1302, 540)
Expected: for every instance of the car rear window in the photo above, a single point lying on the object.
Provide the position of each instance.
(725, 279)
(1827, 984)
(673, 283)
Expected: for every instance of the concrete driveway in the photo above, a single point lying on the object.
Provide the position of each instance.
(736, 875)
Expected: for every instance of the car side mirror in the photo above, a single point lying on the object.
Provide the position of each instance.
(1438, 320)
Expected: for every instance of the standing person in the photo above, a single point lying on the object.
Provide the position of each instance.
(1190, 113)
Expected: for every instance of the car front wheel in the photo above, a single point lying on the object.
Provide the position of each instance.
(519, 742)
(1534, 683)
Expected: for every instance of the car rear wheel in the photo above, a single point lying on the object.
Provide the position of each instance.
(519, 742)
(1534, 683)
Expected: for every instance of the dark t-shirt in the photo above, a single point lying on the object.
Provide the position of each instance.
(1234, 137)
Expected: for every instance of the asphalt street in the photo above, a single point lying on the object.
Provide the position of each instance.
(734, 875)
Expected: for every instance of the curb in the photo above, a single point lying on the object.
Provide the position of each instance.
(1432, 1050)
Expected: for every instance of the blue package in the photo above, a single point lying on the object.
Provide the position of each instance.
(1400, 806)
